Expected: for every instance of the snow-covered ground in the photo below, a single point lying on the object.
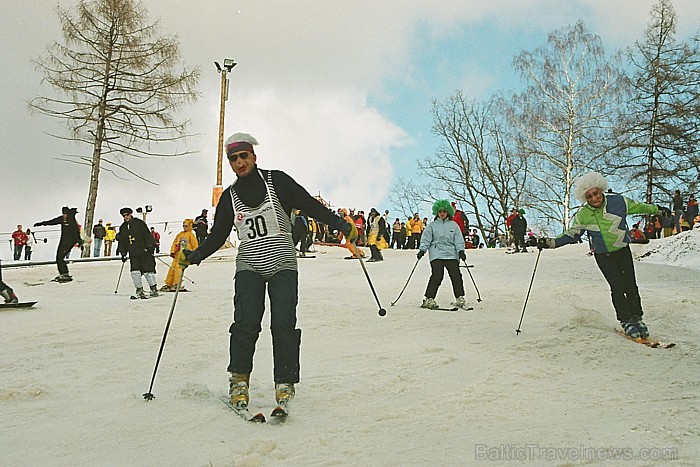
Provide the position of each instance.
(415, 387)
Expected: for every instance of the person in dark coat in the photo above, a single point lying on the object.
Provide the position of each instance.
(70, 236)
(135, 239)
(519, 227)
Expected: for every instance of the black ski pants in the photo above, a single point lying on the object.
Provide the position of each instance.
(618, 269)
(249, 306)
(437, 267)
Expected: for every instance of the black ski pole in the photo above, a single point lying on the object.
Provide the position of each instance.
(120, 277)
(407, 281)
(517, 331)
(382, 311)
(478, 295)
(149, 395)
(170, 266)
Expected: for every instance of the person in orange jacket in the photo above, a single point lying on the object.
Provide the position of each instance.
(173, 277)
(353, 249)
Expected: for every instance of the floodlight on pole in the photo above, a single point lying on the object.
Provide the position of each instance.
(228, 66)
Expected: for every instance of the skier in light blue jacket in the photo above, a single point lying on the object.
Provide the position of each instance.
(443, 241)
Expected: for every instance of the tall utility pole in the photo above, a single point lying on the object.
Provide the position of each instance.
(218, 188)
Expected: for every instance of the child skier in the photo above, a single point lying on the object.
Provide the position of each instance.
(173, 277)
(443, 239)
(603, 218)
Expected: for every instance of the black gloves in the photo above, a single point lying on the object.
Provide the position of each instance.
(420, 254)
(349, 231)
(187, 257)
(123, 258)
(462, 255)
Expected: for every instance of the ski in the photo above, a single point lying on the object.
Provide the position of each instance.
(466, 308)
(467, 266)
(18, 305)
(652, 343)
(306, 256)
(134, 297)
(243, 412)
(281, 412)
(440, 308)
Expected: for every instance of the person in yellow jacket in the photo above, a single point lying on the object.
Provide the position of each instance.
(416, 231)
(110, 236)
(377, 239)
(175, 270)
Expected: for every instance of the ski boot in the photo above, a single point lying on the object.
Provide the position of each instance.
(284, 392)
(643, 330)
(631, 329)
(460, 302)
(139, 294)
(238, 384)
(63, 278)
(154, 291)
(9, 295)
(167, 288)
(429, 303)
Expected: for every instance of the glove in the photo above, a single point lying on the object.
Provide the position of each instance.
(186, 257)
(462, 255)
(172, 255)
(349, 230)
(544, 243)
(420, 254)
(123, 258)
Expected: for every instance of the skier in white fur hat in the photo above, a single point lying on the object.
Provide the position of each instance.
(603, 218)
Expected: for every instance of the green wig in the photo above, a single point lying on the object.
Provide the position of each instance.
(443, 205)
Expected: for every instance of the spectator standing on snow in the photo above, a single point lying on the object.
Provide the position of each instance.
(519, 227)
(691, 210)
(603, 219)
(134, 239)
(259, 204)
(444, 243)
(461, 219)
(201, 225)
(377, 236)
(110, 236)
(98, 232)
(395, 234)
(20, 239)
(28, 246)
(156, 239)
(70, 236)
(677, 201)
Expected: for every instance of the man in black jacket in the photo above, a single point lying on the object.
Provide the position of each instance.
(135, 239)
(259, 204)
(519, 227)
(70, 236)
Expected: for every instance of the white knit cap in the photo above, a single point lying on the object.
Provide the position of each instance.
(587, 181)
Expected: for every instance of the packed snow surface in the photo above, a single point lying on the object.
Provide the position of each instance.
(415, 387)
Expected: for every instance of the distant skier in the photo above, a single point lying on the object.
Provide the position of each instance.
(603, 219)
(135, 240)
(70, 236)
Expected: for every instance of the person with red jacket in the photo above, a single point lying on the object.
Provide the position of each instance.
(20, 238)
(461, 219)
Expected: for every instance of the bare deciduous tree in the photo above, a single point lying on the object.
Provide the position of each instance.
(121, 85)
(566, 114)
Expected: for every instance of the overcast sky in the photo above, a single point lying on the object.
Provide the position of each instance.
(337, 93)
